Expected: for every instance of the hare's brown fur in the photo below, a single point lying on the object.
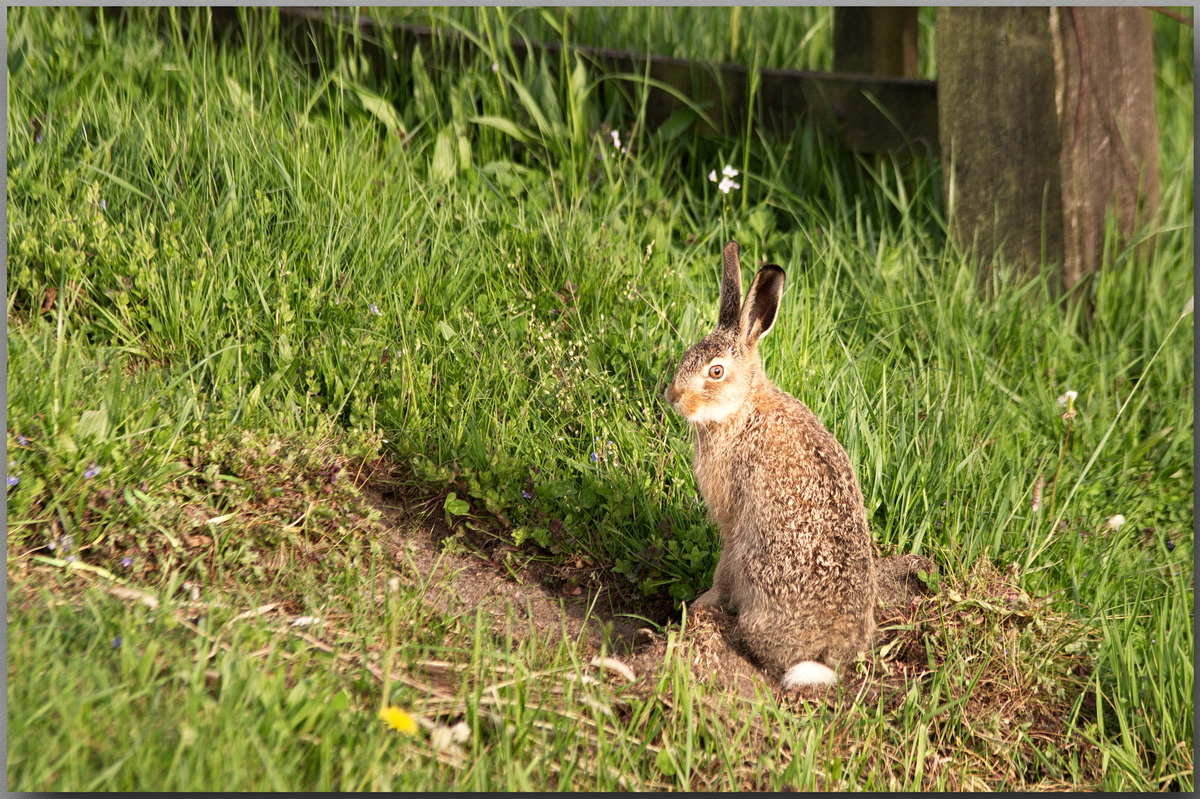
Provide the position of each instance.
(797, 563)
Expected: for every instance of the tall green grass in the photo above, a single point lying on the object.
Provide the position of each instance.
(213, 250)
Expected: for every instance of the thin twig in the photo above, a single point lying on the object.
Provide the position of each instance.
(1166, 12)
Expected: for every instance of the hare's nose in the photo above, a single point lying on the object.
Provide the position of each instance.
(672, 394)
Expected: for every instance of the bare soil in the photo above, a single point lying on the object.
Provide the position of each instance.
(581, 601)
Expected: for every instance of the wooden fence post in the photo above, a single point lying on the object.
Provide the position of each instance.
(875, 40)
(1046, 120)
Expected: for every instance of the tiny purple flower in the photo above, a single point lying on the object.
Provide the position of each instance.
(13, 480)
(116, 642)
(374, 309)
(70, 558)
(68, 541)
(22, 440)
(91, 472)
(37, 139)
(595, 457)
(104, 205)
(126, 562)
(526, 494)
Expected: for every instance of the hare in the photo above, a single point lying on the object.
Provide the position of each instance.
(797, 563)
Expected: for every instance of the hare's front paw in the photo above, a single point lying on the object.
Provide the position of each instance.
(710, 598)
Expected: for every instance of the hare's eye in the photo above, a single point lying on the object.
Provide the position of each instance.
(716, 371)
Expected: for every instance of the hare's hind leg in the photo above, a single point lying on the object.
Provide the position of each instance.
(780, 640)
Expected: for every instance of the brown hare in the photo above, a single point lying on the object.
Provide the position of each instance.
(796, 562)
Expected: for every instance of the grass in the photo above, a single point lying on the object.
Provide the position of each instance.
(237, 286)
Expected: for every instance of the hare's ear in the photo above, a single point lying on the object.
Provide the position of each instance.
(731, 289)
(762, 303)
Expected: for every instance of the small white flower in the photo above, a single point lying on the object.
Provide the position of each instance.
(1115, 522)
(374, 309)
(495, 67)
(726, 184)
(729, 172)
(1068, 397)
(713, 176)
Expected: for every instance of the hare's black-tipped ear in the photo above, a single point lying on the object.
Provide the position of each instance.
(731, 289)
(762, 303)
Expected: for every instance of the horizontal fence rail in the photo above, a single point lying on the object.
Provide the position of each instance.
(868, 113)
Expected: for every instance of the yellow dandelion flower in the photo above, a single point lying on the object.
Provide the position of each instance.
(398, 720)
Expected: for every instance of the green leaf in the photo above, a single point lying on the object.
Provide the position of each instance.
(665, 763)
(464, 152)
(382, 110)
(560, 489)
(93, 424)
(505, 126)
(298, 693)
(455, 506)
(339, 702)
(446, 331)
(241, 98)
(445, 162)
(678, 122)
(535, 110)
(761, 221)
(119, 181)
(578, 99)
(681, 591)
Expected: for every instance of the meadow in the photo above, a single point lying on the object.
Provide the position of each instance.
(271, 318)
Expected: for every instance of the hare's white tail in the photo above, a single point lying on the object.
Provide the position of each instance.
(808, 672)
